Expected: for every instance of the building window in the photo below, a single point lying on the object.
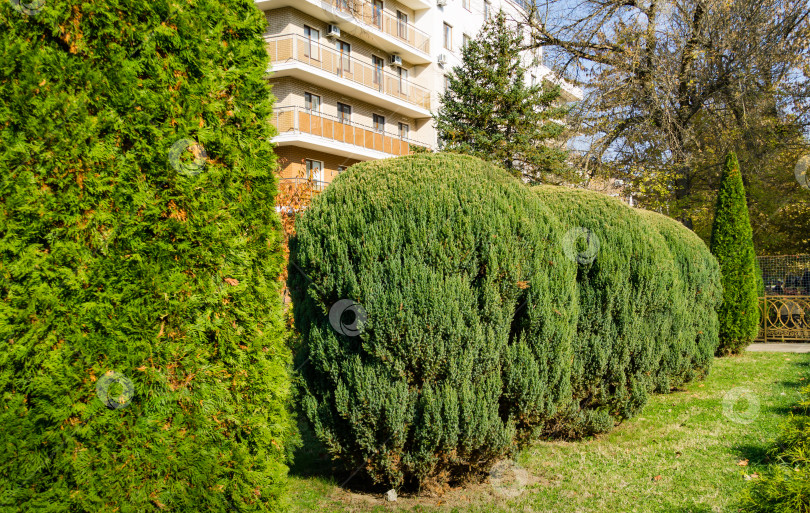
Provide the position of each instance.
(311, 45)
(344, 113)
(377, 76)
(486, 10)
(377, 13)
(379, 123)
(345, 63)
(314, 170)
(466, 4)
(404, 130)
(402, 25)
(312, 102)
(448, 36)
(466, 41)
(341, 169)
(403, 80)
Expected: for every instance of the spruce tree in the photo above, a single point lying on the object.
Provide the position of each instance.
(732, 244)
(489, 110)
(142, 365)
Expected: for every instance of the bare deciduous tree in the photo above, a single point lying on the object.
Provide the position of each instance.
(668, 81)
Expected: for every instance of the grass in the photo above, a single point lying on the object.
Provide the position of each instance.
(682, 454)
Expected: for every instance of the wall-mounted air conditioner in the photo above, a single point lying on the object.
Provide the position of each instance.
(333, 31)
(441, 59)
(395, 60)
(441, 3)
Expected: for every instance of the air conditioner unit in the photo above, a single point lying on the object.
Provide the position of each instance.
(333, 31)
(441, 59)
(395, 60)
(441, 3)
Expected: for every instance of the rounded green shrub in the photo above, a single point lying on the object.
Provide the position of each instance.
(439, 251)
(625, 323)
(732, 243)
(446, 312)
(694, 301)
(143, 366)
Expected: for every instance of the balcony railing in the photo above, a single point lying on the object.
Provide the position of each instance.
(294, 47)
(300, 181)
(300, 120)
(376, 17)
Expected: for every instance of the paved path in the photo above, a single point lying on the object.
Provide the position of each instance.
(797, 347)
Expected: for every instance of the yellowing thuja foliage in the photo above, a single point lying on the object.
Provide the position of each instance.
(142, 366)
(488, 311)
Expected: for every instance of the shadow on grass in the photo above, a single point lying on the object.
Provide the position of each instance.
(312, 460)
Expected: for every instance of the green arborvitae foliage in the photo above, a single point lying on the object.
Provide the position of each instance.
(143, 366)
(470, 322)
(489, 110)
(785, 486)
(733, 246)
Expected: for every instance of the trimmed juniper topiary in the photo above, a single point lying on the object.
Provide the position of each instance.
(732, 244)
(697, 293)
(142, 364)
(466, 321)
(625, 276)
(447, 312)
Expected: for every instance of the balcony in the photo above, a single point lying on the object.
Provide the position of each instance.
(296, 56)
(358, 18)
(380, 20)
(298, 126)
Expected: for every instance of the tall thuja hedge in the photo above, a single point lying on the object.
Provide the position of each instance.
(439, 251)
(733, 245)
(479, 312)
(142, 364)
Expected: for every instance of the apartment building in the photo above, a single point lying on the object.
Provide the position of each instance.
(358, 79)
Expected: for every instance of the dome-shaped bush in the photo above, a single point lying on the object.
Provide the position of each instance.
(446, 312)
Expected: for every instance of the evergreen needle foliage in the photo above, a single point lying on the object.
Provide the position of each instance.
(142, 364)
(480, 324)
(733, 246)
(490, 112)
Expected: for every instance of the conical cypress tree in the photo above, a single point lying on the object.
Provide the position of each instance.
(732, 244)
(142, 365)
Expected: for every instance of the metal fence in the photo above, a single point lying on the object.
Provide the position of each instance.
(785, 305)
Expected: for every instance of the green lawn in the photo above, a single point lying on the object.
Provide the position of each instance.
(682, 454)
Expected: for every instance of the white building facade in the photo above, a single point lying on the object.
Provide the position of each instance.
(358, 79)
